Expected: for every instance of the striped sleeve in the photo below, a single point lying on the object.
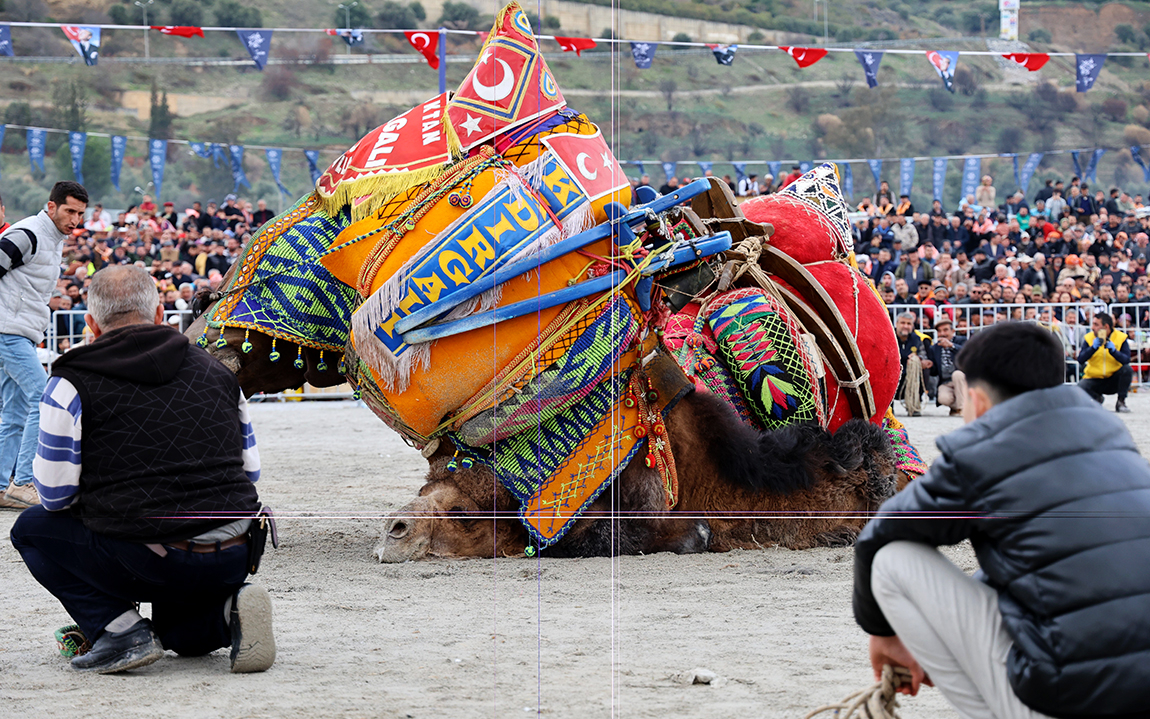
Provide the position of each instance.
(56, 467)
(16, 247)
(251, 452)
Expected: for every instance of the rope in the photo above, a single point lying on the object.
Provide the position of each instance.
(877, 702)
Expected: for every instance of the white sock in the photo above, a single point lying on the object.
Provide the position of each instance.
(125, 621)
(228, 611)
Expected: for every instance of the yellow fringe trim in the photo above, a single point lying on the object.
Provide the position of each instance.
(454, 145)
(378, 189)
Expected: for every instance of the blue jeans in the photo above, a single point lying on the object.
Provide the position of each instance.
(98, 578)
(22, 381)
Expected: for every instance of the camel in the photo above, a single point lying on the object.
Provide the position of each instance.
(797, 487)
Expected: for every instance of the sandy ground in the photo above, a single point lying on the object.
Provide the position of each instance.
(503, 638)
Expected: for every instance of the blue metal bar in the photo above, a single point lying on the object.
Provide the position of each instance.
(442, 60)
(713, 245)
(517, 309)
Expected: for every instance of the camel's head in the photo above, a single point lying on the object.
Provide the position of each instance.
(465, 513)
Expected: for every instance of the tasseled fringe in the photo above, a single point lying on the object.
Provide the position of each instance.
(374, 192)
(393, 372)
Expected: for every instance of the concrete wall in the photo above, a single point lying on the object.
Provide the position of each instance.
(590, 20)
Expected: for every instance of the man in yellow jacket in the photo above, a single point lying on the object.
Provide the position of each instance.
(1105, 360)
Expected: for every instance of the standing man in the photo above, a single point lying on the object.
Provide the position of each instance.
(30, 252)
(943, 353)
(1055, 499)
(1105, 361)
(153, 501)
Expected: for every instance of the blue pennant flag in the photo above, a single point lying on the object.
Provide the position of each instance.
(158, 157)
(741, 170)
(869, 59)
(77, 141)
(805, 166)
(724, 54)
(639, 166)
(905, 175)
(876, 171)
(351, 37)
(201, 149)
(938, 178)
(2, 128)
(258, 42)
(1087, 67)
(275, 156)
(236, 152)
(669, 170)
(35, 139)
(971, 171)
(219, 154)
(1028, 169)
(1136, 153)
(6, 40)
(643, 53)
(944, 64)
(705, 167)
(848, 180)
(775, 168)
(313, 165)
(119, 146)
(1014, 158)
(1077, 165)
(1092, 168)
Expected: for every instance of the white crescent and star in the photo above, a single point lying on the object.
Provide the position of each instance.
(471, 124)
(501, 89)
(421, 36)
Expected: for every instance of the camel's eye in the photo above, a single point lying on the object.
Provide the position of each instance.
(459, 514)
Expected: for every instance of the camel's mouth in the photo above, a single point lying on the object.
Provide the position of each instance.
(401, 541)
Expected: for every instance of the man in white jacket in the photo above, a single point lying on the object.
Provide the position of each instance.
(29, 267)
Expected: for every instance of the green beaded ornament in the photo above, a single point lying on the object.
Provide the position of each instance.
(322, 366)
(247, 345)
(530, 551)
(299, 359)
(274, 355)
(203, 340)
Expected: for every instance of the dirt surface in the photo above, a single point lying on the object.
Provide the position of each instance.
(498, 638)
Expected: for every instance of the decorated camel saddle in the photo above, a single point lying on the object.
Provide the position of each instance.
(481, 273)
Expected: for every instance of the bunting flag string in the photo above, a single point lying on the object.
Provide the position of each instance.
(350, 37)
(1028, 170)
(669, 170)
(1077, 165)
(875, 171)
(36, 138)
(76, 143)
(1087, 68)
(643, 53)
(575, 44)
(869, 59)
(804, 56)
(775, 168)
(427, 43)
(257, 43)
(724, 54)
(1014, 161)
(848, 180)
(236, 153)
(6, 41)
(805, 166)
(971, 174)
(905, 175)
(157, 158)
(1032, 61)
(185, 31)
(705, 166)
(86, 40)
(313, 165)
(1092, 167)
(274, 156)
(944, 63)
(740, 170)
(938, 177)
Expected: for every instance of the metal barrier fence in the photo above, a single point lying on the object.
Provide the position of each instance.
(67, 330)
(1069, 321)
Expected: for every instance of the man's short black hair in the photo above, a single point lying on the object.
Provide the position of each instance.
(1105, 319)
(61, 191)
(1011, 358)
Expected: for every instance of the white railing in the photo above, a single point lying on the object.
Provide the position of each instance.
(1070, 321)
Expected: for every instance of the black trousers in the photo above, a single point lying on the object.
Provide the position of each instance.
(97, 579)
(1117, 383)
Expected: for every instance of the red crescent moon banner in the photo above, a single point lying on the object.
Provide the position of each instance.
(1032, 61)
(804, 56)
(575, 44)
(589, 162)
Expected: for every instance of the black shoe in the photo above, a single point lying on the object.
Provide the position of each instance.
(116, 652)
(253, 644)
(1121, 407)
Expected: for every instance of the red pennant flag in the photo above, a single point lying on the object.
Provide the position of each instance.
(1030, 60)
(427, 43)
(575, 44)
(589, 162)
(180, 30)
(804, 56)
(510, 85)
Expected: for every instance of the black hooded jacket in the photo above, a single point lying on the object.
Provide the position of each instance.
(162, 441)
(1051, 491)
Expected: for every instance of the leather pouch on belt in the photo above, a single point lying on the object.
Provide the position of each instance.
(262, 524)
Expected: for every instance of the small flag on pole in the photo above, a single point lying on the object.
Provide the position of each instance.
(1032, 61)
(179, 30)
(275, 158)
(944, 64)
(575, 44)
(35, 139)
(313, 165)
(427, 43)
(86, 40)
(643, 53)
(804, 56)
(236, 153)
(158, 157)
(1087, 68)
(119, 146)
(77, 141)
(724, 54)
(870, 60)
(258, 42)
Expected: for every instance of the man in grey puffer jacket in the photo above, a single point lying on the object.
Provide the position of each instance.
(29, 267)
(1055, 498)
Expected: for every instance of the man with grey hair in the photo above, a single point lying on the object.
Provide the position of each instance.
(145, 471)
(913, 355)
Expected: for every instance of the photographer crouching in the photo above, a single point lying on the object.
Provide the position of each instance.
(153, 501)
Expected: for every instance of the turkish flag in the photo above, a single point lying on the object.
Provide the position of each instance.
(428, 45)
(589, 162)
(180, 30)
(804, 56)
(575, 44)
(1030, 60)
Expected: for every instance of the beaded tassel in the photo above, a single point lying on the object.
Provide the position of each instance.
(322, 366)
(274, 356)
(299, 358)
(247, 345)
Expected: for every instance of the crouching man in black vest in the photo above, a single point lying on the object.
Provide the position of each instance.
(153, 501)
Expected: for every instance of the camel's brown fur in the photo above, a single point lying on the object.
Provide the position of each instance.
(817, 493)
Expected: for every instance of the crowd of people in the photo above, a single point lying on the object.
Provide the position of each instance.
(184, 252)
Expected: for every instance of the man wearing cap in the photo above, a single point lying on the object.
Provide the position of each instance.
(943, 352)
(903, 230)
(30, 253)
(1105, 360)
(939, 297)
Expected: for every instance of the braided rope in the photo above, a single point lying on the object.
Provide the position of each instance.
(879, 701)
